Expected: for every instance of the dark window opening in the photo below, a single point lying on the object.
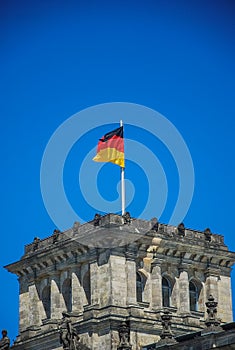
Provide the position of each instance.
(166, 292)
(67, 294)
(139, 288)
(46, 300)
(87, 286)
(193, 296)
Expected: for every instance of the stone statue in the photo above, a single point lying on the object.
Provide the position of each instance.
(75, 226)
(68, 334)
(35, 243)
(56, 233)
(154, 224)
(208, 234)
(124, 336)
(181, 229)
(127, 217)
(5, 341)
(97, 219)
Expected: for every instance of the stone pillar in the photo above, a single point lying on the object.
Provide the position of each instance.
(60, 282)
(225, 312)
(118, 280)
(211, 283)
(57, 301)
(131, 281)
(77, 305)
(94, 274)
(23, 307)
(86, 284)
(156, 285)
(102, 272)
(183, 300)
(34, 300)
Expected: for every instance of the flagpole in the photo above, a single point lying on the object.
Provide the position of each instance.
(123, 184)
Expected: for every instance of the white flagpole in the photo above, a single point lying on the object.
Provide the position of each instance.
(123, 183)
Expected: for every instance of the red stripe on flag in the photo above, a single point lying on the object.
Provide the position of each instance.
(115, 142)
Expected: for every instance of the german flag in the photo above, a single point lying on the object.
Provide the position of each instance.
(111, 148)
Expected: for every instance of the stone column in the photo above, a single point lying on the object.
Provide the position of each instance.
(131, 281)
(118, 280)
(156, 285)
(225, 311)
(77, 294)
(183, 300)
(57, 301)
(23, 306)
(34, 313)
(211, 282)
(101, 279)
(94, 274)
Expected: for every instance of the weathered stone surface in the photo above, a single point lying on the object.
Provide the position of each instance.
(224, 340)
(89, 271)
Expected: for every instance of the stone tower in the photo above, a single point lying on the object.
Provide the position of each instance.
(107, 282)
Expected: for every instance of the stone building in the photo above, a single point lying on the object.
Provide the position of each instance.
(107, 282)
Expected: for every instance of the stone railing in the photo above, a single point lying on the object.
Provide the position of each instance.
(151, 227)
(173, 231)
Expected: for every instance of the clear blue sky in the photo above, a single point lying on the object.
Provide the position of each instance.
(57, 58)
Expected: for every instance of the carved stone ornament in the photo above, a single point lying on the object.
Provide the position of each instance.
(166, 325)
(212, 319)
(124, 336)
(166, 335)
